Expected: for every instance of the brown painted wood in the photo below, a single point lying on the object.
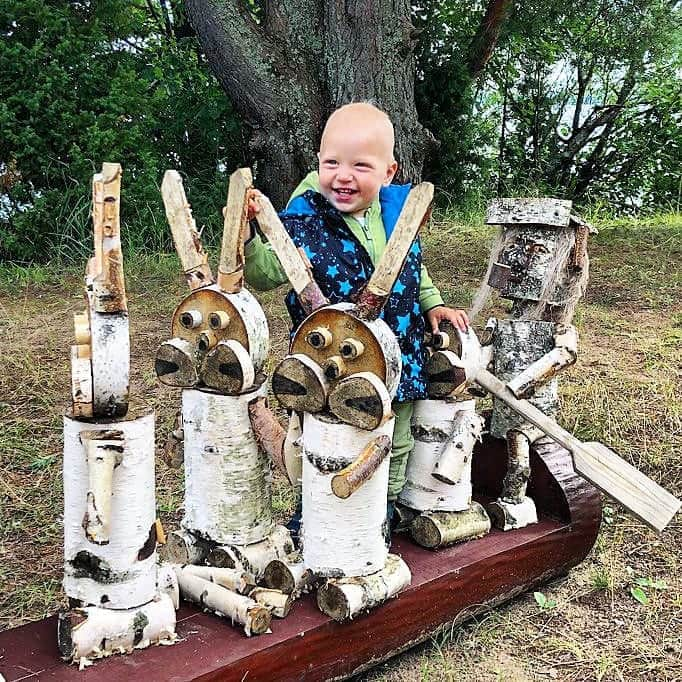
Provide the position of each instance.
(308, 646)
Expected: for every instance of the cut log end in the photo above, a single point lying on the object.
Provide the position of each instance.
(361, 400)
(439, 529)
(299, 384)
(183, 548)
(258, 620)
(175, 365)
(332, 601)
(228, 368)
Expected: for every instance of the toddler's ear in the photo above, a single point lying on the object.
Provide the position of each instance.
(390, 172)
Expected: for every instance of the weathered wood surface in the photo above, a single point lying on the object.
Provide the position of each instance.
(550, 212)
(361, 400)
(414, 214)
(309, 646)
(230, 270)
(193, 258)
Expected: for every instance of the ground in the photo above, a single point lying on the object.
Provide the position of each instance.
(617, 616)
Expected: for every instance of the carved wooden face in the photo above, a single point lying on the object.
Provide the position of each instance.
(523, 264)
(341, 363)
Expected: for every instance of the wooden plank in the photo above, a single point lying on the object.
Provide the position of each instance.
(186, 238)
(601, 466)
(549, 212)
(230, 271)
(414, 214)
(308, 646)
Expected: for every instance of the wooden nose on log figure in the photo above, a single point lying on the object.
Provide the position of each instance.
(540, 262)
(341, 374)
(436, 497)
(220, 342)
(110, 529)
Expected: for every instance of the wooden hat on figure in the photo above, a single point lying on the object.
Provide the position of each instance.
(341, 374)
(110, 527)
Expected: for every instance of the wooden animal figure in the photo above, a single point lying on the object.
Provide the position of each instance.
(540, 263)
(436, 500)
(219, 345)
(118, 601)
(341, 374)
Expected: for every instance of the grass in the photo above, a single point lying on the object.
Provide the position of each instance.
(625, 391)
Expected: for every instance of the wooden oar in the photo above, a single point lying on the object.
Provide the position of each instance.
(414, 214)
(231, 268)
(187, 242)
(291, 260)
(643, 497)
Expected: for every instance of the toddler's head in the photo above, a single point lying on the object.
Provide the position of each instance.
(356, 157)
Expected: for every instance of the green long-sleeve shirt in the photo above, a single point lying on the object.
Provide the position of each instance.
(263, 270)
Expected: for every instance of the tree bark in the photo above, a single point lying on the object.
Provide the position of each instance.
(303, 60)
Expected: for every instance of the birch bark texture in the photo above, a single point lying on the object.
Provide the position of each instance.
(341, 537)
(120, 574)
(227, 476)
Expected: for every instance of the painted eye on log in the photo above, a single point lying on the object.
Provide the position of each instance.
(351, 348)
(218, 320)
(191, 319)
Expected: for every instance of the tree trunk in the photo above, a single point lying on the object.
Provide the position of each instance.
(286, 74)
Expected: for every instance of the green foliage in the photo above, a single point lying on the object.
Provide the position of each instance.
(91, 82)
(543, 602)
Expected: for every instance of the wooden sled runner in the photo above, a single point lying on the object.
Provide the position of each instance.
(451, 584)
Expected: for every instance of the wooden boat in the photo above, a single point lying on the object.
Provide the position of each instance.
(448, 585)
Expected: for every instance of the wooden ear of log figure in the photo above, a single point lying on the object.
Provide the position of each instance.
(186, 238)
(414, 214)
(231, 269)
(295, 268)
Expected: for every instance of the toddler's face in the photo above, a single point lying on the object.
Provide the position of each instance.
(354, 163)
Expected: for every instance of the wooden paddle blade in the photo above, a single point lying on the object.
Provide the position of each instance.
(647, 500)
(295, 268)
(604, 468)
(299, 384)
(361, 400)
(193, 258)
(230, 270)
(414, 214)
(228, 368)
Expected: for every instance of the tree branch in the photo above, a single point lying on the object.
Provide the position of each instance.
(484, 41)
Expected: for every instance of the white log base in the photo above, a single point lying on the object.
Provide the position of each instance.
(184, 548)
(361, 400)
(253, 559)
(227, 476)
(523, 211)
(289, 575)
(277, 602)
(227, 368)
(175, 364)
(435, 425)
(299, 384)
(230, 578)
(341, 537)
(434, 529)
(508, 516)
(92, 632)
(344, 598)
(254, 617)
(120, 574)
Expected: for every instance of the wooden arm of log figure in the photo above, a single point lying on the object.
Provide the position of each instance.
(104, 450)
(293, 264)
(415, 213)
(564, 354)
(269, 433)
(643, 497)
(106, 269)
(186, 238)
(348, 480)
(231, 268)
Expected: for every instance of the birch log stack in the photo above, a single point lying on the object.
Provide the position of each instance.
(110, 528)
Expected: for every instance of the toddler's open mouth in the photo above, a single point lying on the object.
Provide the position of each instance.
(344, 191)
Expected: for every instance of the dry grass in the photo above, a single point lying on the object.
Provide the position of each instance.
(624, 391)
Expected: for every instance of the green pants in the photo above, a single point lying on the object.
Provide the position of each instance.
(402, 446)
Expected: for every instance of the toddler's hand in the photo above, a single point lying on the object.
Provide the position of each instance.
(458, 318)
(253, 205)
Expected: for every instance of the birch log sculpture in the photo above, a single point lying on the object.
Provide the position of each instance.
(219, 345)
(540, 262)
(110, 529)
(342, 372)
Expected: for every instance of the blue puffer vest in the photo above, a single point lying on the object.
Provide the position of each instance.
(341, 266)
